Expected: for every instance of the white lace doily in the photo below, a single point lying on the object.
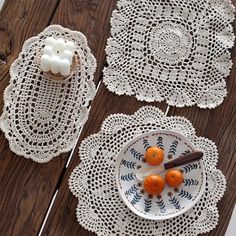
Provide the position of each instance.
(100, 207)
(171, 50)
(42, 117)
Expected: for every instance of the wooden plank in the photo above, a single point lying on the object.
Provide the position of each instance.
(20, 20)
(219, 125)
(28, 186)
(26, 190)
(62, 219)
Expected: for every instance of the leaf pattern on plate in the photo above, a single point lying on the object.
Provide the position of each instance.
(160, 143)
(147, 204)
(128, 177)
(128, 164)
(133, 189)
(185, 194)
(146, 144)
(190, 182)
(136, 199)
(175, 202)
(161, 205)
(137, 155)
(185, 153)
(190, 167)
(173, 148)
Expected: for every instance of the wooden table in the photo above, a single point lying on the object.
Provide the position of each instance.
(35, 197)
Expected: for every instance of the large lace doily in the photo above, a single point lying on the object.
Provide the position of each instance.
(41, 117)
(100, 207)
(171, 50)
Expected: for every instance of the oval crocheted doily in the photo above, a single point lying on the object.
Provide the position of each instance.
(41, 117)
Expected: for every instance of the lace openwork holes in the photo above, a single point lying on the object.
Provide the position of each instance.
(171, 50)
(100, 207)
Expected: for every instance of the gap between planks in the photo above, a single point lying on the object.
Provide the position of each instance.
(167, 110)
(3, 62)
(67, 164)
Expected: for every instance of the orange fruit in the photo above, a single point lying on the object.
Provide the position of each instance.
(174, 178)
(154, 156)
(154, 184)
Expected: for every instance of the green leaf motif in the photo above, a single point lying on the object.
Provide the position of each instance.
(146, 144)
(147, 204)
(161, 205)
(137, 155)
(185, 194)
(160, 143)
(128, 177)
(190, 167)
(173, 148)
(128, 164)
(175, 202)
(133, 189)
(136, 199)
(190, 182)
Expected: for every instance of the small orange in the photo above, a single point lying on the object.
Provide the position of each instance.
(174, 178)
(154, 184)
(154, 156)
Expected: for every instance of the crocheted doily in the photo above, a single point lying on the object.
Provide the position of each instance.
(101, 208)
(42, 117)
(171, 50)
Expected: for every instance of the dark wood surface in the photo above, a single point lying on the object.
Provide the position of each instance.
(27, 188)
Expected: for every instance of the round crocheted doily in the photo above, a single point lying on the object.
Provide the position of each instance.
(93, 182)
(42, 117)
(171, 50)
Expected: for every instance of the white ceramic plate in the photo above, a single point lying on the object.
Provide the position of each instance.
(172, 201)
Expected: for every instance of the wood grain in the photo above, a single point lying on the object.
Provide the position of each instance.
(26, 190)
(20, 20)
(62, 219)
